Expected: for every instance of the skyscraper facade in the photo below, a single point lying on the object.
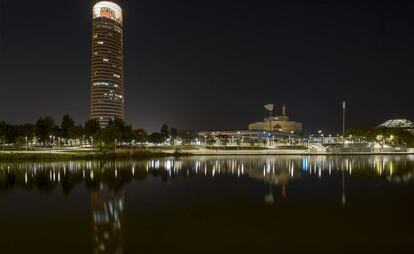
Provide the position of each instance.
(107, 81)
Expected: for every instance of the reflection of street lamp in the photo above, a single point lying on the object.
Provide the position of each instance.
(269, 199)
(343, 188)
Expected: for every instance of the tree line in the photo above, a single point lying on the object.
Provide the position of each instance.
(394, 136)
(46, 131)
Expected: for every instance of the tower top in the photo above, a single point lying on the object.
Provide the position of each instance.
(108, 9)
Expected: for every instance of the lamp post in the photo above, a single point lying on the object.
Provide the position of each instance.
(51, 143)
(321, 136)
(290, 137)
(27, 144)
(343, 120)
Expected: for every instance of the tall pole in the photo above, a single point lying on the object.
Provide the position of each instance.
(343, 120)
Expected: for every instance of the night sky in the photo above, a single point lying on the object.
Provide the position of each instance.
(213, 64)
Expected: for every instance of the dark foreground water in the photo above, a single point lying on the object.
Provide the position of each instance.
(275, 204)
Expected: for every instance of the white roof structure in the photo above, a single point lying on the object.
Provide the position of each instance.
(398, 123)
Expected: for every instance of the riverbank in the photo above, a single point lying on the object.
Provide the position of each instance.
(141, 154)
(208, 152)
(60, 156)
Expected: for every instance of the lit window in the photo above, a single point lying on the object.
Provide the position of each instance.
(116, 75)
(105, 60)
(101, 84)
(100, 42)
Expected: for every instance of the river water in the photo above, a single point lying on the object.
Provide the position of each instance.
(250, 204)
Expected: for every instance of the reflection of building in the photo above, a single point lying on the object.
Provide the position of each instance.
(107, 82)
(277, 123)
(398, 123)
(107, 213)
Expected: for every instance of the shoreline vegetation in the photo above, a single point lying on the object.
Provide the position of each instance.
(46, 140)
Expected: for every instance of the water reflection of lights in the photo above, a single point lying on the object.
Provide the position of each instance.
(273, 170)
(107, 217)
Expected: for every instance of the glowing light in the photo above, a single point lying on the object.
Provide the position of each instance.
(109, 10)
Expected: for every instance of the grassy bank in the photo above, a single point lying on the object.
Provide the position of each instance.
(124, 155)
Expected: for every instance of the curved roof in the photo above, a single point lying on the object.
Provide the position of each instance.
(397, 123)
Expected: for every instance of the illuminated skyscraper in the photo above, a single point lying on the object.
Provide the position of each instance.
(107, 81)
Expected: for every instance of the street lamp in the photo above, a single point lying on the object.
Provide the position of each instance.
(51, 143)
(320, 132)
(91, 142)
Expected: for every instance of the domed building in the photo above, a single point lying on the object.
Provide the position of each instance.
(277, 123)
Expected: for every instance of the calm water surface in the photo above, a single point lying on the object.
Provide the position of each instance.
(262, 204)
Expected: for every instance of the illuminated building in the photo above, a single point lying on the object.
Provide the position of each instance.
(398, 123)
(107, 77)
(278, 123)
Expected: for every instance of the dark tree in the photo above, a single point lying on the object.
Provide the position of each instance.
(66, 126)
(125, 130)
(173, 133)
(44, 128)
(76, 131)
(140, 136)
(116, 130)
(165, 131)
(156, 138)
(26, 130)
(188, 136)
(91, 127)
(8, 132)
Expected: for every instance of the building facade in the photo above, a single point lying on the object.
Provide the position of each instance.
(107, 77)
(277, 123)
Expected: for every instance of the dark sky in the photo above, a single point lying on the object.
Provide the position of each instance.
(214, 64)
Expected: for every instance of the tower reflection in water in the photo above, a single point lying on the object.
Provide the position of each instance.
(108, 220)
(106, 180)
